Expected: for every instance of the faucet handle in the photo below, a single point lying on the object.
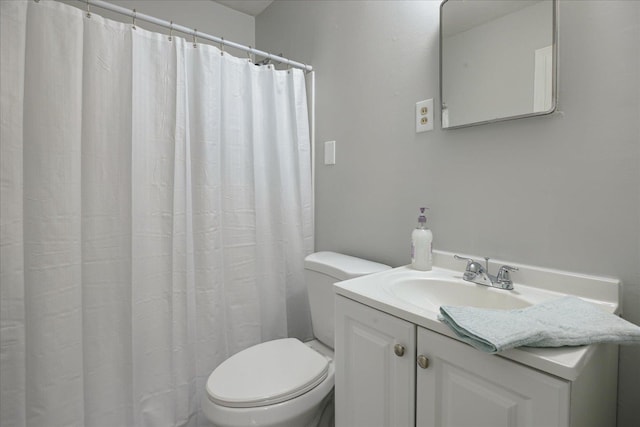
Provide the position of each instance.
(471, 263)
(508, 268)
(461, 258)
(503, 277)
(473, 268)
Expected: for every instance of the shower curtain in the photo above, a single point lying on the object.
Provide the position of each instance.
(155, 213)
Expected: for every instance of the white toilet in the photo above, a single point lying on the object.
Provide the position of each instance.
(286, 382)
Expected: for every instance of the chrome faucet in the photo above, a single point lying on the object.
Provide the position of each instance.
(478, 274)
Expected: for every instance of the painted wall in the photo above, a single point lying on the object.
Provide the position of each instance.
(203, 15)
(559, 191)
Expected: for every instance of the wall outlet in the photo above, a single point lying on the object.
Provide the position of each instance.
(424, 115)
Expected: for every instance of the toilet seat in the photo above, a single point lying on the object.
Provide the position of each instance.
(266, 374)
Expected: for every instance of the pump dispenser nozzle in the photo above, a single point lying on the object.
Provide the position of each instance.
(422, 219)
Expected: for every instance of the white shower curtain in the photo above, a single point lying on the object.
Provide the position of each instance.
(155, 213)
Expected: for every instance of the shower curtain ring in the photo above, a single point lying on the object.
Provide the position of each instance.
(222, 46)
(134, 19)
(171, 31)
(249, 55)
(195, 39)
(88, 11)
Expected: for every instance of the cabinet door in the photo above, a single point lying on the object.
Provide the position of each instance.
(375, 382)
(463, 386)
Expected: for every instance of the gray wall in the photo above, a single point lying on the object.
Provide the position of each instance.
(559, 191)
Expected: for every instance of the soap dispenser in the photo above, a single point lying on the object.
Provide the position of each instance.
(421, 244)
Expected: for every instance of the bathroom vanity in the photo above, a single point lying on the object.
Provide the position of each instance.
(397, 365)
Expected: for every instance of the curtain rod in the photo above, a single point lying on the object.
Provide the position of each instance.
(133, 14)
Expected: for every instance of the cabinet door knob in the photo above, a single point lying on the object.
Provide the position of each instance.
(399, 350)
(423, 361)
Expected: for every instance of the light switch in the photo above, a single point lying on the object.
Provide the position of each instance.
(424, 115)
(329, 152)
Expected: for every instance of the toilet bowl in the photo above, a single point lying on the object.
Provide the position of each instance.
(286, 382)
(285, 394)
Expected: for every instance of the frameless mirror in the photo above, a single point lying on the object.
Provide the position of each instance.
(497, 60)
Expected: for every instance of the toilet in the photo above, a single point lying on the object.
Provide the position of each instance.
(286, 382)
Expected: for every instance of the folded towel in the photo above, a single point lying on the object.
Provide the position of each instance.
(566, 321)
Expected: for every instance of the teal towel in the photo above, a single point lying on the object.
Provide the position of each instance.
(566, 321)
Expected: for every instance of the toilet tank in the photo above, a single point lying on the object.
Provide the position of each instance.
(322, 270)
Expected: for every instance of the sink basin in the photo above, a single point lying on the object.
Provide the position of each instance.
(431, 293)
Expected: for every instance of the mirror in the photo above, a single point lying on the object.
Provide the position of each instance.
(497, 60)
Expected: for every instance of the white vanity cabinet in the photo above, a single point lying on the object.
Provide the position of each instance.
(462, 386)
(381, 384)
(375, 367)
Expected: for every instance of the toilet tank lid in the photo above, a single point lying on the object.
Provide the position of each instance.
(340, 266)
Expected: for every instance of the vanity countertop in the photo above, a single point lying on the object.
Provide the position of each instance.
(531, 284)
